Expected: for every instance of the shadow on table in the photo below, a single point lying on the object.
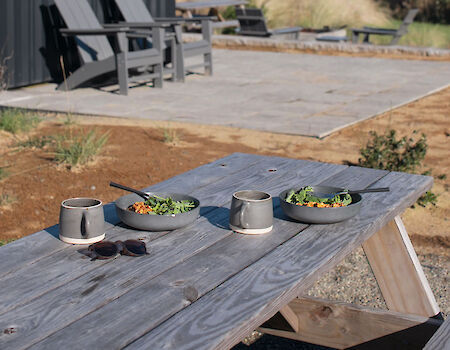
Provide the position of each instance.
(217, 216)
(53, 231)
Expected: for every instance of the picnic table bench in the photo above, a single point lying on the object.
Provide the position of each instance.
(205, 287)
(188, 9)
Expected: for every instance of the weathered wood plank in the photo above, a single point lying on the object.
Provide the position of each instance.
(228, 313)
(164, 296)
(342, 325)
(291, 317)
(34, 322)
(441, 339)
(32, 284)
(46, 242)
(392, 257)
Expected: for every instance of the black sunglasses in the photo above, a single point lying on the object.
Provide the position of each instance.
(108, 250)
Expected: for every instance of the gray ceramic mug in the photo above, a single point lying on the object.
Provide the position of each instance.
(251, 212)
(81, 221)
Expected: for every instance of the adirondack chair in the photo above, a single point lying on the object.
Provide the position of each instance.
(252, 22)
(137, 15)
(97, 55)
(395, 33)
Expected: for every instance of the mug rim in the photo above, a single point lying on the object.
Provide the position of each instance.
(235, 195)
(88, 207)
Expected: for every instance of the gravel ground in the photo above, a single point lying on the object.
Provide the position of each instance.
(352, 281)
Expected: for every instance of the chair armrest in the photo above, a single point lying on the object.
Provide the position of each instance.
(182, 19)
(104, 31)
(380, 29)
(136, 25)
(373, 31)
(286, 30)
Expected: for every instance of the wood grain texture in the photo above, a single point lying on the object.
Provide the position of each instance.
(441, 339)
(201, 270)
(47, 252)
(211, 196)
(225, 315)
(290, 316)
(86, 293)
(46, 242)
(341, 325)
(398, 271)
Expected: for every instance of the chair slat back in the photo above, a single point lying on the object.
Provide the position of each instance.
(409, 18)
(252, 21)
(134, 11)
(78, 14)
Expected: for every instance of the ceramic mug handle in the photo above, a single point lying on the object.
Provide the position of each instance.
(244, 223)
(87, 224)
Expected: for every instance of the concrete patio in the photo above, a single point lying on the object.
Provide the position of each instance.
(312, 95)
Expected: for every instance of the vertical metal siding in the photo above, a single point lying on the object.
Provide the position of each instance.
(25, 43)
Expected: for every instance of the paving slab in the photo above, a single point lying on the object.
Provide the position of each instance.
(303, 94)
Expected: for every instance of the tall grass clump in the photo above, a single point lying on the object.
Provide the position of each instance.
(320, 13)
(3, 173)
(6, 199)
(15, 121)
(79, 148)
(6, 241)
(426, 35)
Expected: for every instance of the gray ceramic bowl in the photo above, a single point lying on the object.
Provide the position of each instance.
(312, 215)
(148, 222)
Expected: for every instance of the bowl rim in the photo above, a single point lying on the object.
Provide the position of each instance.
(356, 198)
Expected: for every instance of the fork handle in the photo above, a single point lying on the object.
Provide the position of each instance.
(126, 188)
(367, 190)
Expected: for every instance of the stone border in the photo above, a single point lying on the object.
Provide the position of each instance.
(312, 46)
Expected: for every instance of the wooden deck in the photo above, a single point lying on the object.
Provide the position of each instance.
(204, 286)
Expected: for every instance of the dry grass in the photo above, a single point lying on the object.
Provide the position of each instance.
(319, 13)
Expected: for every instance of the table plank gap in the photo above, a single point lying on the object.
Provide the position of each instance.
(202, 272)
(46, 242)
(297, 170)
(266, 286)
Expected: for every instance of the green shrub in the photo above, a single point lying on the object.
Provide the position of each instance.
(78, 149)
(389, 153)
(428, 197)
(15, 121)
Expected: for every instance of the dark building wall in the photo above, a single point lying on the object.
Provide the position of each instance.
(30, 44)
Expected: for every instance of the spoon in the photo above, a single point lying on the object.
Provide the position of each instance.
(129, 189)
(332, 194)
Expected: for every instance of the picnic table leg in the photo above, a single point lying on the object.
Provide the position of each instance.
(366, 39)
(355, 37)
(413, 314)
(207, 35)
(398, 271)
(342, 325)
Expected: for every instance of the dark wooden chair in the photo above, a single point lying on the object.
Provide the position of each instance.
(395, 33)
(137, 15)
(97, 55)
(253, 23)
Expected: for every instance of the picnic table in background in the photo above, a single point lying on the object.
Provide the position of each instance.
(189, 8)
(205, 287)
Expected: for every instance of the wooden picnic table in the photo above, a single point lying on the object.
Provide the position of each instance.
(206, 287)
(188, 9)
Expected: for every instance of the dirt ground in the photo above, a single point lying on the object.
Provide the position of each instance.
(137, 155)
